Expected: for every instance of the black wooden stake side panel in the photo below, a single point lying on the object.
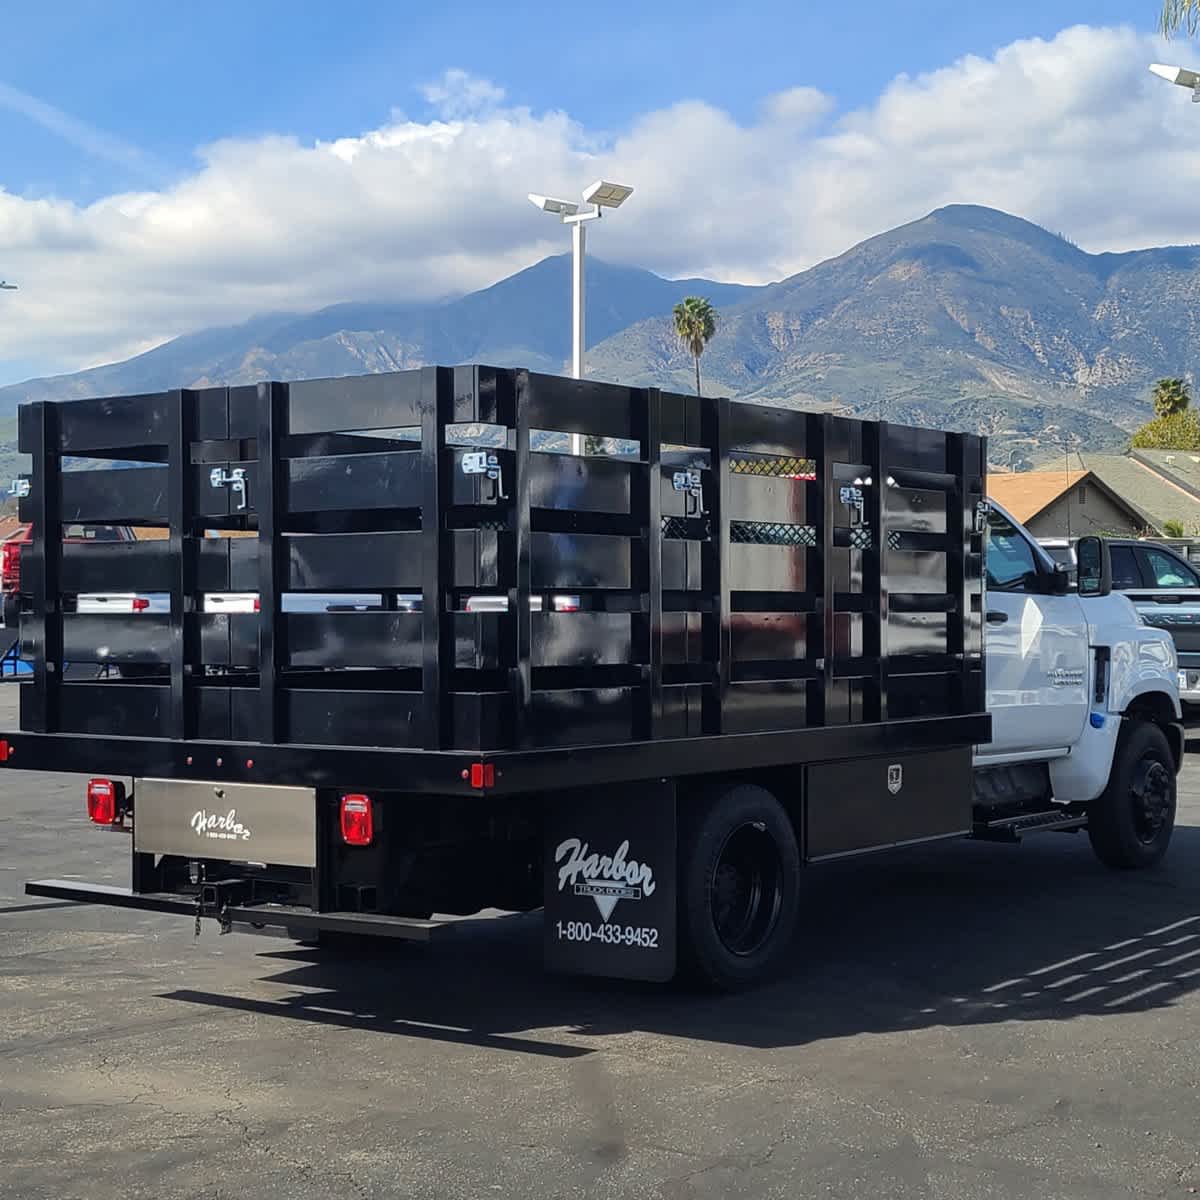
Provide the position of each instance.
(714, 565)
(41, 563)
(520, 571)
(617, 525)
(647, 642)
(184, 632)
(831, 451)
(436, 411)
(875, 581)
(967, 459)
(960, 522)
(271, 503)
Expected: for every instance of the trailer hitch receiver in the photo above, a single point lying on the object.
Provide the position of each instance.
(216, 898)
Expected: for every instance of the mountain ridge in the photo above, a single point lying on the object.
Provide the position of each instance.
(522, 320)
(968, 317)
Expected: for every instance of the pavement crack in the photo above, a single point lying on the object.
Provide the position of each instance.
(677, 1187)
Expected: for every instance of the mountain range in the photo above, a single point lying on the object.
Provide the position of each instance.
(968, 318)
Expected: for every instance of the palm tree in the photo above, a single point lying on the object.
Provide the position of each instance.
(695, 325)
(1180, 14)
(1171, 396)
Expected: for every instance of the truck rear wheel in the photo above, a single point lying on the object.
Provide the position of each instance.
(1131, 823)
(739, 882)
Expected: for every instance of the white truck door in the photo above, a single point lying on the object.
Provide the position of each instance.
(1036, 650)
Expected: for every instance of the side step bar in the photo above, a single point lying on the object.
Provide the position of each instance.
(255, 916)
(1012, 829)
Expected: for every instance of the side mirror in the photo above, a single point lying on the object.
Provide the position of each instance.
(1094, 566)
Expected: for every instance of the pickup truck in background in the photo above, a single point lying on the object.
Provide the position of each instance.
(1164, 588)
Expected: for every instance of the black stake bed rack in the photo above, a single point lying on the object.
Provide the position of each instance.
(450, 600)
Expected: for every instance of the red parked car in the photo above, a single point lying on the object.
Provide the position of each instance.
(10, 555)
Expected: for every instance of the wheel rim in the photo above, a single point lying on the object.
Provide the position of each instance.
(747, 891)
(1150, 792)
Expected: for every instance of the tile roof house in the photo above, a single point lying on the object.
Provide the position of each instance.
(1067, 504)
(1163, 485)
(1132, 495)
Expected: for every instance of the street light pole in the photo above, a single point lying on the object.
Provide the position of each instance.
(596, 199)
(578, 317)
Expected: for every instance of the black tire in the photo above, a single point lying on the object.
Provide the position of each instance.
(1131, 823)
(738, 888)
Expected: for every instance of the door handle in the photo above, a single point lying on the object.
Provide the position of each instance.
(997, 618)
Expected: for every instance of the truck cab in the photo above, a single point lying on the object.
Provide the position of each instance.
(1071, 672)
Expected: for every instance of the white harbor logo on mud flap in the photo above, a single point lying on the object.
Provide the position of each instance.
(606, 878)
(895, 778)
(220, 827)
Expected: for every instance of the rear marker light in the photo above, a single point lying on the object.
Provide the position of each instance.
(5, 750)
(140, 604)
(358, 820)
(105, 801)
(483, 775)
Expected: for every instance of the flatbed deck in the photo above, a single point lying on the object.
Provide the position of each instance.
(444, 772)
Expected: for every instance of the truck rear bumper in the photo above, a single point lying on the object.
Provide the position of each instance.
(253, 918)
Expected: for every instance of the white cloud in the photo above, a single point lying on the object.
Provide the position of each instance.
(458, 94)
(1073, 133)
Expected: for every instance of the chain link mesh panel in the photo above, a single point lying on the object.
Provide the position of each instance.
(677, 528)
(771, 467)
(771, 533)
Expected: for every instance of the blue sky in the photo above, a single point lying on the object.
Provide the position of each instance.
(166, 167)
(165, 78)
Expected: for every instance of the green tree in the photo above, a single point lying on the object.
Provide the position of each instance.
(1178, 431)
(695, 326)
(1173, 529)
(1180, 14)
(1171, 396)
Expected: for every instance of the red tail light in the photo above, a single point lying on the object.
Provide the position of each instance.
(483, 775)
(140, 604)
(105, 801)
(10, 566)
(358, 820)
(257, 604)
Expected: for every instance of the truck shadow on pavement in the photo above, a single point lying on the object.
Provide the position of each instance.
(949, 935)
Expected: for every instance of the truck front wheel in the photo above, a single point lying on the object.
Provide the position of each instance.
(1131, 823)
(739, 882)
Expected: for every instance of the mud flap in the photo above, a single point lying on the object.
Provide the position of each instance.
(610, 882)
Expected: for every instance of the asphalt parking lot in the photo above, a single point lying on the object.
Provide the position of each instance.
(965, 1021)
